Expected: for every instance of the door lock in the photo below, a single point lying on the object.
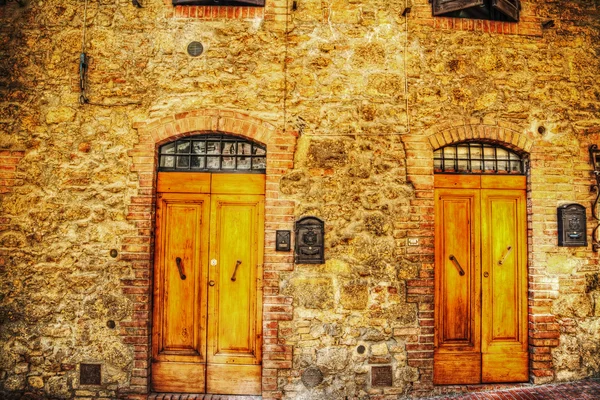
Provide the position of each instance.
(211, 283)
(486, 274)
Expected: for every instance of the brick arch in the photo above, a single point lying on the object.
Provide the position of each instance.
(506, 134)
(137, 247)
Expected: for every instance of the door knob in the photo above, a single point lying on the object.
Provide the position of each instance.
(211, 283)
(486, 274)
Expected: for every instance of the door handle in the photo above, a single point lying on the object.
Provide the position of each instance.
(508, 250)
(461, 271)
(180, 268)
(237, 264)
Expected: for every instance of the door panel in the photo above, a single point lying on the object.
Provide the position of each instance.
(180, 304)
(457, 309)
(504, 286)
(235, 325)
(480, 322)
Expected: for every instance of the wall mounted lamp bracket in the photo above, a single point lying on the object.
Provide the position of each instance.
(595, 161)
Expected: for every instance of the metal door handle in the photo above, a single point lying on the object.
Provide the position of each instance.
(180, 268)
(237, 264)
(461, 271)
(508, 250)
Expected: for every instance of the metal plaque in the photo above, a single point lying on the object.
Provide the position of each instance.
(572, 225)
(310, 233)
(90, 374)
(381, 376)
(312, 377)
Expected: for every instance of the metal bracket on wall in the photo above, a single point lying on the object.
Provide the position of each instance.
(595, 161)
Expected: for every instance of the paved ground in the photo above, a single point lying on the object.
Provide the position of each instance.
(581, 390)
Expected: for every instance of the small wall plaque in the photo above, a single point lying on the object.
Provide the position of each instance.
(283, 240)
(381, 376)
(572, 225)
(312, 377)
(310, 232)
(90, 374)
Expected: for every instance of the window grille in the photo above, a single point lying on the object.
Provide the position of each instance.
(213, 153)
(477, 158)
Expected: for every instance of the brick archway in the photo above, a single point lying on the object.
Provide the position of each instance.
(543, 329)
(138, 246)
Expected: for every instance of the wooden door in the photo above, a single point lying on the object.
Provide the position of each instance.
(480, 280)
(207, 333)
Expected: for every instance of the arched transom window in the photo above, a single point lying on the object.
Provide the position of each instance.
(213, 152)
(477, 158)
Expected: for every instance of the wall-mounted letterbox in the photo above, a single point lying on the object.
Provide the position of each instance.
(309, 241)
(572, 225)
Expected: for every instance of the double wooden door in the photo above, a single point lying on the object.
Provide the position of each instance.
(480, 279)
(207, 324)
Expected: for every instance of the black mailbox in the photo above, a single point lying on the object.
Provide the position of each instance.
(309, 241)
(572, 225)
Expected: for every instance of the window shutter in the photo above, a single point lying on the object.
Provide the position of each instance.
(441, 7)
(252, 3)
(510, 8)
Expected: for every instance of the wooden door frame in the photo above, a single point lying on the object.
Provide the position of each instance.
(138, 247)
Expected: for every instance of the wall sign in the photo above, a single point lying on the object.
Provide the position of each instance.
(572, 225)
(310, 232)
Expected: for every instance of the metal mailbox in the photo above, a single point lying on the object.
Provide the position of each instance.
(572, 225)
(310, 232)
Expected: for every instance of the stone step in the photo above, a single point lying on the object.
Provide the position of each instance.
(199, 396)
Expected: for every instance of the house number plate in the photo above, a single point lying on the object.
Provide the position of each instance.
(381, 376)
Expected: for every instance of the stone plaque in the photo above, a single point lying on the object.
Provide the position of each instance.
(89, 374)
(381, 376)
(312, 377)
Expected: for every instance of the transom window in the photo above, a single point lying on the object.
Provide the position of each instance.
(213, 153)
(495, 10)
(477, 158)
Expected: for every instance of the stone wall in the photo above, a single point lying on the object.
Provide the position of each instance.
(370, 94)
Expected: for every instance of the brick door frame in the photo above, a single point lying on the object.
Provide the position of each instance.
(138, 247)
(543, 331)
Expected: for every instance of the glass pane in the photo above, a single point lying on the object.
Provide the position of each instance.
(228, 148)
(259, 151)
(449, 152)
(168, 148)
(183, 161)
(513, 156)
(212, 148)
(501, 154)
(199, 147)
(437, 164)
(502, 165)
(488, 153)
(243, 162)
(197, 162)
(476, 152)
(463, 152)
(515, 166)
(244, 148)
(183, 147)
(489, 166)
(228, 163)
(167, 161)
(259, 163)
(475, 165)
(463, 165)
(212, 163)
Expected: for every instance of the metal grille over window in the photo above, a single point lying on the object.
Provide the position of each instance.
(477, 158)
(213, 153)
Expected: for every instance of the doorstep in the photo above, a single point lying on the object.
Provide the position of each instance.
(199, 396)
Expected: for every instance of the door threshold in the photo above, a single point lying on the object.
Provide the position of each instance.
(200, 396)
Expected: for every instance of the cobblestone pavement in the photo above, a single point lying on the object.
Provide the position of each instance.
(581, 390)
